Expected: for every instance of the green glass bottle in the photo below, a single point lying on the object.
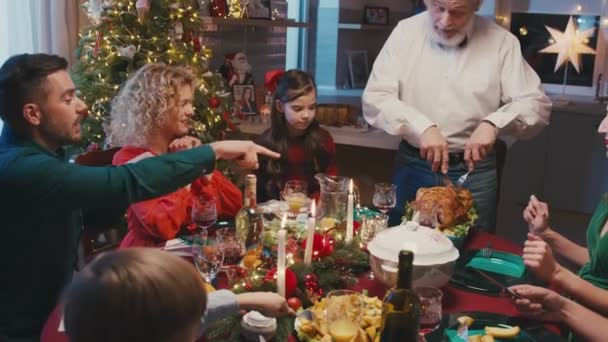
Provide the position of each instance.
(401, 307)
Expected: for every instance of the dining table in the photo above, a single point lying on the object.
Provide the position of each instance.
(455, 300)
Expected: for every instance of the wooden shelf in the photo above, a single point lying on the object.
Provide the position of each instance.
(354, 26)
(254, 22)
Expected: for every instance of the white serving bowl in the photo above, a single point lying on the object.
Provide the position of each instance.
(434, 255)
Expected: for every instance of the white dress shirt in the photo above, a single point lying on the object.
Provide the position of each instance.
(416, 83)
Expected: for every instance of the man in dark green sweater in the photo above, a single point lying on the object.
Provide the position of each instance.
(42, 195)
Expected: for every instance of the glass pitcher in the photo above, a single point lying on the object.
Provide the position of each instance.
(333, 198)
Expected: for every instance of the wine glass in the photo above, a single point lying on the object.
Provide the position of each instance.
(295, 193)
(430, 308)
(385, 196)
(343, 312)
(204, 212)
(370, 226)
(208, 256)
(233, 249)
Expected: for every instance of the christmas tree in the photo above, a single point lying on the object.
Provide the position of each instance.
(126, 34)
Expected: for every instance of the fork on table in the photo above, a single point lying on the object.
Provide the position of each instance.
(486, 252)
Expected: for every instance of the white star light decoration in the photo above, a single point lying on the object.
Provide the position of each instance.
(569, 44)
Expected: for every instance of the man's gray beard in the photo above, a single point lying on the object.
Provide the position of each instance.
(457, 39)
(451, 42)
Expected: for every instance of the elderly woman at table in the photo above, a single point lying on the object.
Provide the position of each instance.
(150, 117)
(589, 286)
(144, 294)
(546, 305)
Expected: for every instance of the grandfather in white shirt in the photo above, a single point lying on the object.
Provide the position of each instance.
(449, 82)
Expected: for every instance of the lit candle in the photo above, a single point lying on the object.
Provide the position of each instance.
(281, 257)
(349, 214)
(312, 222)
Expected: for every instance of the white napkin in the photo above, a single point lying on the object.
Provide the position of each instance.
(178, 247)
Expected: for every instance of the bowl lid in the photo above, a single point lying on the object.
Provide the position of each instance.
(430, 247)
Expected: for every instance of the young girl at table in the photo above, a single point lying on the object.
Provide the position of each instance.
(588, 287)
(145, 294)
(306, 149)
(151, 116)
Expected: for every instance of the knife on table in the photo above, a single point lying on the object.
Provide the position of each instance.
(497, 283)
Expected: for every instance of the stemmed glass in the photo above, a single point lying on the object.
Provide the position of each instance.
(204, 212)
(430, 309)
(370, 226)
(385, 196)
(208, 256)
(233, 249)
(295, 193)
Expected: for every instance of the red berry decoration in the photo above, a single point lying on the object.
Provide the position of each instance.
(291, 280)
(311, 282)
(214, 102)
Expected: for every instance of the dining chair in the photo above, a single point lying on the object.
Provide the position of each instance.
(102, 232)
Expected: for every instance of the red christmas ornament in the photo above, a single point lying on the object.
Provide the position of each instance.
(322, 245)
(291, 280)
(356, 227)
(218, 8)
(248, 286)
(214, 102)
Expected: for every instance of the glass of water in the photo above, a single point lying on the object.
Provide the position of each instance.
(430, 308)
(208, 256)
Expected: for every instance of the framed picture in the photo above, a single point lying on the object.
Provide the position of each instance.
(257, 9)
(244, 97)
(373, 15)
(358, 68)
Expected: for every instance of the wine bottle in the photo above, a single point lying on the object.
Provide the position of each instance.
(249, 221)
(401, 306)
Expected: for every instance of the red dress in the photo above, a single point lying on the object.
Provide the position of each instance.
(153, 222)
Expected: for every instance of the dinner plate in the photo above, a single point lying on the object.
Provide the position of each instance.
(531, 331)
(508, 269)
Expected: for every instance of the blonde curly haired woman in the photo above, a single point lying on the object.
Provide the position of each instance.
(151, 116)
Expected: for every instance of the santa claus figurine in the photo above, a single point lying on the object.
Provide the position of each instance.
(236, 69)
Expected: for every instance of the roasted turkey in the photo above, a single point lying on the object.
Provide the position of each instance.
(443, 206)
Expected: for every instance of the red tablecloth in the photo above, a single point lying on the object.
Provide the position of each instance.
(454, 300)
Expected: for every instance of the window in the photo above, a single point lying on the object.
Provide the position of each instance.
(16, 29)
(295, 57)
